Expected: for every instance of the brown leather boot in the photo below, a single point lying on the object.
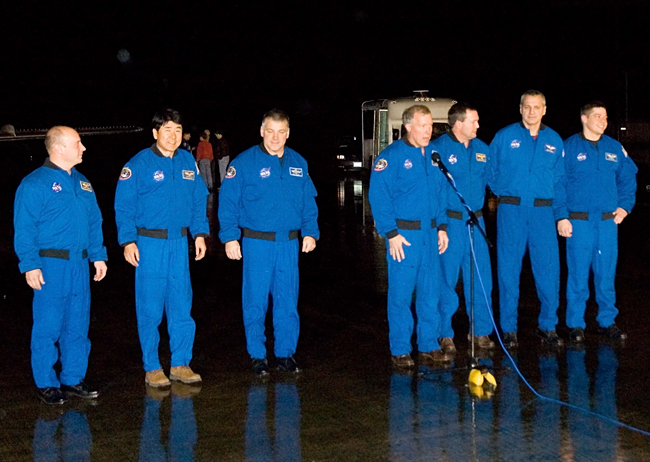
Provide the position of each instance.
(447, 345)
(184, 374)
(156, 378)
(434, 356)
(482, 341)
(403, 361)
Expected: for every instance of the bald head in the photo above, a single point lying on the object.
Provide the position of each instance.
(64, 147)
(55, 135)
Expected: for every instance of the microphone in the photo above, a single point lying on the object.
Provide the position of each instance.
(437, 162)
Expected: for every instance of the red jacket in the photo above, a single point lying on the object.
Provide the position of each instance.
(204, 151)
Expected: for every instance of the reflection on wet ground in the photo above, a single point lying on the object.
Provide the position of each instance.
(349, 403)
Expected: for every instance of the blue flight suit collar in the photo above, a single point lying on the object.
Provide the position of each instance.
(541, 126)
(156, 151)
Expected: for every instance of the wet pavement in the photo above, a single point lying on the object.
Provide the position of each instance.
(349, 403)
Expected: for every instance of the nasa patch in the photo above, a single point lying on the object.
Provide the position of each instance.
(408, 164)
(381, 165)
(582, 156)
(125, 174)
(611, 157)
(550, 148)
(295, 171)
(481, 157)
(453, 159)
(158, 175)
(56, 187)
(514, 144)
(86, 186)
(265, 172)
(231, 172)
(188, 175)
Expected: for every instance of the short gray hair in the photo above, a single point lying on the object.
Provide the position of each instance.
(532, 93)
(409, 113)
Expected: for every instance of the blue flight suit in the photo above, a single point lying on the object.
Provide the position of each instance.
(408, 196)
(58, 228)
(158, 199)
(268, 200)
(600, 177)
(469, 168)
(526, 174)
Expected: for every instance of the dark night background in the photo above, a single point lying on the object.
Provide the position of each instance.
(223, 64)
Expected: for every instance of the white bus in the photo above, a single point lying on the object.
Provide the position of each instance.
(381, 121)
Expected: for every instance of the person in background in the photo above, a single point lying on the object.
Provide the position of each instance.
(222, 152)
(204, 158)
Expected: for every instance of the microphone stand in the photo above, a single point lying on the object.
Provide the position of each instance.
(472, 222)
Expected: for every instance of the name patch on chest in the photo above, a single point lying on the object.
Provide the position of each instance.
(611, 157)
(550, 148)
(158, 175)
(481, 157)
(265, 172)
(86, 186)
(295, 171)
(188, 175)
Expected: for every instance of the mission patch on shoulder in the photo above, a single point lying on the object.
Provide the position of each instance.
(86, 186)
(231, 172)
(126, 173)
(380, 165)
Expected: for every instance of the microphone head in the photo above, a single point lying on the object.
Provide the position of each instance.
(435, 158)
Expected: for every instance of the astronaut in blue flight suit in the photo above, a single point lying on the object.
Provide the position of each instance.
(267, 199)
(58, 229)
(600, 193)
(408, 198)
(160, 197)
(526, 172)
(466, 158)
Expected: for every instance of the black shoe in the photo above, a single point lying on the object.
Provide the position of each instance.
(287, 365)
(260, 367)
(550, 337)
(577, 335)
(510, 340)
(612, 332)
(51, 395)
(81, 390)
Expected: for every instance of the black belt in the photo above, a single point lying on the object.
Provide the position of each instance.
(62, 254)
(585, 215)
(459, 215)
(515, 200)
(413, 224)
(266, 236)
(159, 233)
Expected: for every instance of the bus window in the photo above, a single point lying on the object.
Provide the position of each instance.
(439, 130)
(383, 130)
